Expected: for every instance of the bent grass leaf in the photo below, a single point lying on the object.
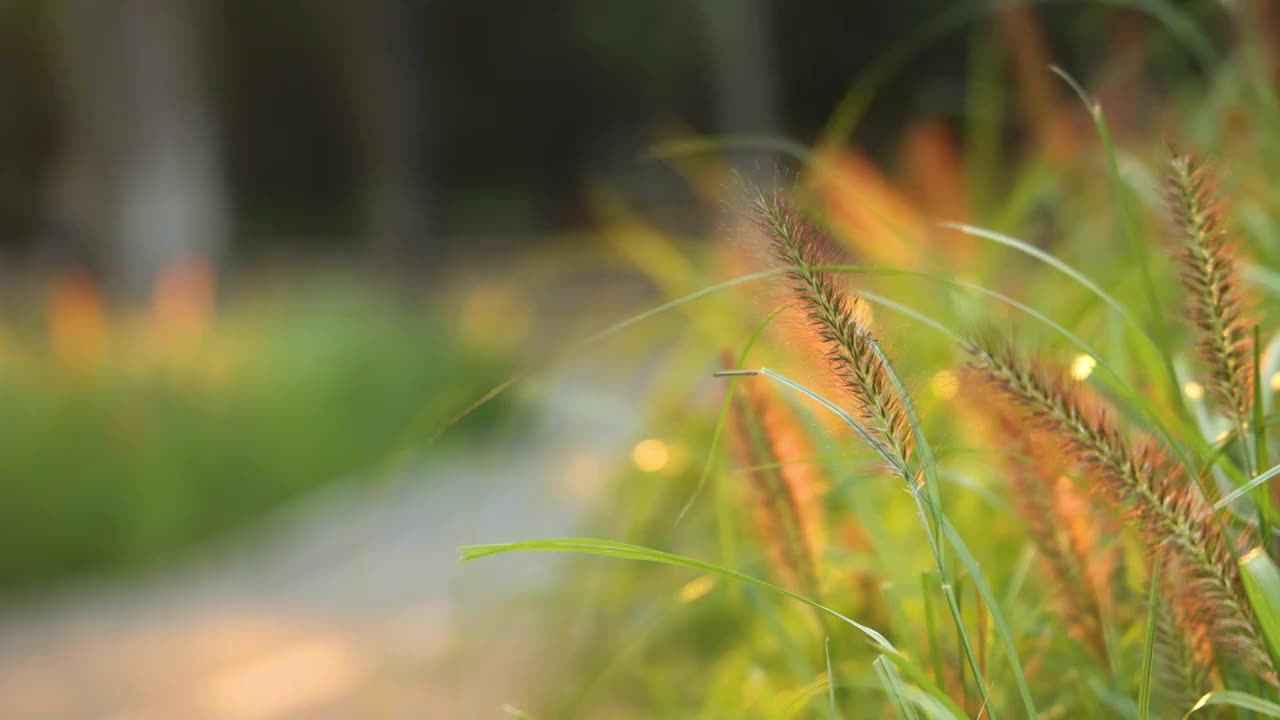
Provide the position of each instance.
(611, 548)
(1148, 649)
(1262, 584)
(1235, 698)
(892, 683)
(627, 551)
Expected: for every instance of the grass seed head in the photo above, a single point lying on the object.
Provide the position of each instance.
(1168, 511)
(833, 315)
(1212, 284)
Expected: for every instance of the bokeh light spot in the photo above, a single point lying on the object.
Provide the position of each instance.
(650, 455)
(1082, 367)
(945, 385)
(696, 588)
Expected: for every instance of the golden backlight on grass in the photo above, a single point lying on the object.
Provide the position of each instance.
(944, 385)
(866, 212)
(650, 455)
(1193, 390)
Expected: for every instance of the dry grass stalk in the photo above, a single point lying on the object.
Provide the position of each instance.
(786, 488)
(1063, 530)
(1168, 512)
(1214, 298)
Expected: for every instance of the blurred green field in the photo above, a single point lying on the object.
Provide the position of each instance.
(125, 443)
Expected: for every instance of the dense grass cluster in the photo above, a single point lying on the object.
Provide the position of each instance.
(957, 473)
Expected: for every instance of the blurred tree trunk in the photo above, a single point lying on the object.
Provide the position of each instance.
(743, 72)
(391, 115)
(140, 175)
(743, 67)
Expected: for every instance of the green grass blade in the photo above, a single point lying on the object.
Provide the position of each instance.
(1259, 420)
(1262, 584)
(1262, 278)
(627, 551)
(1180, 25)
(1055, 263)
(892, 683)
(1148, 648)
(935, 648)
(712, 454)
(1121, 195)
(928, 699)
(831, 682)
(858, 98)
(932, 705)
(909, 312)
(997, 616)
(1084, 281)
(864, 434)
(1246, 488)
(1261, 498)
(703, 145)
(1235, 698)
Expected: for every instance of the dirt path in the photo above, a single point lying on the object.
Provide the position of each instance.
(341, 607)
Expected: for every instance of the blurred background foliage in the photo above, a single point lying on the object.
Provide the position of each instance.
(489, 129)
(125, 442)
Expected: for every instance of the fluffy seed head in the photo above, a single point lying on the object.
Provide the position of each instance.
(1166, 509)
(1214, 298)
(832, 314)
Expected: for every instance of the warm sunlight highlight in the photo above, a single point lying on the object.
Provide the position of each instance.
(945, 385)
(1082, 366)
(650, 455)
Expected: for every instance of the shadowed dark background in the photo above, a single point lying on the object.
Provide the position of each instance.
(400, 131)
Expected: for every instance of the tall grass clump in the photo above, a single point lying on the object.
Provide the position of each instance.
(786, 489)
(1161, 594)
(1137, 476)
(1040, 503)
